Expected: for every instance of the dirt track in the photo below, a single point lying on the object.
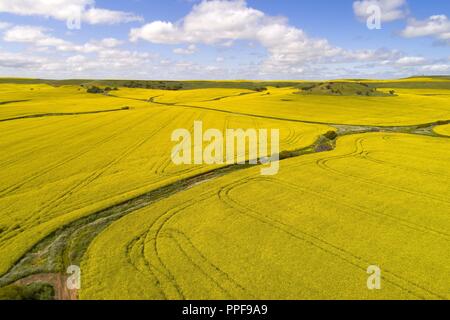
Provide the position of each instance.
(58, 281)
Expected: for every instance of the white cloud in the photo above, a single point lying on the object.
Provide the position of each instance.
(220, 22)
(373, 55)
(106, 63)
(411, 61)
(436, 68)
(391, 10)
(105, 16)
(40, 38)
(18, 61)
(290, 49)
(103, 55)
(191, 49)
(290, 52)
(64, 10)
(111, 59)
(78, 59)
(33, 35)
(110, 42)
(437, 26)
(158, 32)
(209, 22)
(4, 25)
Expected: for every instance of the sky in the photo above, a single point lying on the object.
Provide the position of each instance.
(224, 39)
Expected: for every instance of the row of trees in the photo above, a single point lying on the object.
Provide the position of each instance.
(97, 90)
(160, 85)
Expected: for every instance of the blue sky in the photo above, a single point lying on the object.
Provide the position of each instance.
(224, 39)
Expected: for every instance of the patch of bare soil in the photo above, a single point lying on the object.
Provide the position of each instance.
(57, 280)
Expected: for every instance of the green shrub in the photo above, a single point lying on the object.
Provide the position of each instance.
(34, 291)
(261, 89)
(331, 135)
(95, 90)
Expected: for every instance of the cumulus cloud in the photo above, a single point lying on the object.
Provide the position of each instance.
(93, 58)
(40, 37)
(33, 35)
(4, 25)
(191, 49)
(411, 61)
(105, 16)
(64, 10)
(391, 10)
(209, 22)
(369, 55)
(110, 42)
(106, 63)
(221, 22)
(436, 68)
(437, 26)
(290, 49)
(18, 61)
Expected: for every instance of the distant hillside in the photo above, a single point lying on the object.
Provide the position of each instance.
(443, 77)
(344, 89)
(163, 85)
(316, 87)
(417, 82)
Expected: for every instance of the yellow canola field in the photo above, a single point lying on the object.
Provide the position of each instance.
(410, 107)
(18, 100)
(55, 170)
(443, 130)
(310, 232)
